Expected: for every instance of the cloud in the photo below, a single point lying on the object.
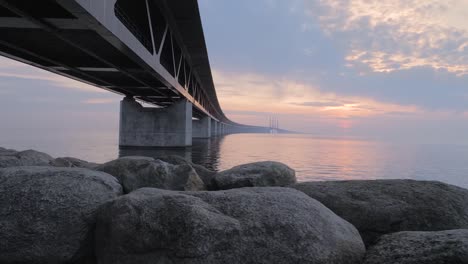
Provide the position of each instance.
(361, 48)
(255, 93)
(387, 36)
(387, 62)
(13, 69)
(253, 113)
(320, 104)
(100, 101)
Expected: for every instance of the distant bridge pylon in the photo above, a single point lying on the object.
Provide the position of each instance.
(274, 124)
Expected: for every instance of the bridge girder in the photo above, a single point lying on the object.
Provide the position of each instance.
(82, 40)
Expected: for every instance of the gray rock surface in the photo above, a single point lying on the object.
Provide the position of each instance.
(249, 225)
(9, 161)
(68, 162)
(11, 158)
(205, 174)
(138, 172)
(378, 207)
(4, 151)
(47, 214)
(257, 174)
(441, 247)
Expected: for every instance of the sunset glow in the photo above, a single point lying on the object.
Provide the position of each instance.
(328, 67)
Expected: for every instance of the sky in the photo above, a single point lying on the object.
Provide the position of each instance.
(393, 70)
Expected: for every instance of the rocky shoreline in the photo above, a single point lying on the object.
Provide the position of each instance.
(169, 210)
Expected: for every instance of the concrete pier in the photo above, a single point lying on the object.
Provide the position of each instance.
(220, 129)
(214, 128)
(202, 128)
(155, 127)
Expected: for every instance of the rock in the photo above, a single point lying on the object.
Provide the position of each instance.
(420, 248)
(69, 162)
(257, 174)
(249, 225)
(9, 161)
(4, 151)
(138, 172)
(47, 214)
(34, 158)
(205, 174)
(24, 158)
(378, 207)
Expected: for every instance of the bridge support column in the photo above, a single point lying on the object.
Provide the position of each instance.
(202, 128)
(155, 127)
(214, 128)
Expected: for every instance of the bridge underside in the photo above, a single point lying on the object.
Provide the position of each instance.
(150, 50)
(49, 36)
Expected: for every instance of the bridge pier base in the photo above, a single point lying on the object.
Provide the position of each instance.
(155, 127)
(202, 128)
(214, 128)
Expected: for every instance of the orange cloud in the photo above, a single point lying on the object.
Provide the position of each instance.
(393, 35)
(258, 93)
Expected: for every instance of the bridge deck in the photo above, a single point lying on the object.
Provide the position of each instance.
(153, 50)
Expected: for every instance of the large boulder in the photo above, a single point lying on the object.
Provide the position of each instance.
(5, 151)
(205, 174)
(47, 214)
(378, 207)
(441, 247)
(257, 174)
(138, 172)
(68, 162)
(249, 225)
(11, 158)
(8, 161)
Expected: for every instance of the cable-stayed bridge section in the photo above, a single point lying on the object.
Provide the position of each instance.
(150, 51)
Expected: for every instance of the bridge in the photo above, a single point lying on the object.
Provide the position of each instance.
(150, 51)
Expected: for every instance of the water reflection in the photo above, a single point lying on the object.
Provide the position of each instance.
(327, 159)
(205, 152)
(312, 158)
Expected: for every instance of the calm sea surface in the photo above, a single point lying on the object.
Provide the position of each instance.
(312, 158)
